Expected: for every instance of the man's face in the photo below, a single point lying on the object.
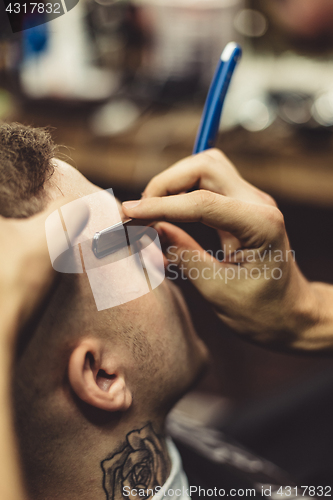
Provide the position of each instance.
(161, 350)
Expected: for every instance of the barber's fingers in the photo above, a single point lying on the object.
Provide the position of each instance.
(186, 257)
(229, 242)
(251, 223)
(210, 170)
(173, 238)
(204, 169)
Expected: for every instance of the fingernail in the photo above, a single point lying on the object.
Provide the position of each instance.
(131, 204)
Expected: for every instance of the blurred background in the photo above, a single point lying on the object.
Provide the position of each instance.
(122, 84)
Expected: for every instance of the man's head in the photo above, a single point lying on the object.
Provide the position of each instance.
(26, 156)
(85, 379)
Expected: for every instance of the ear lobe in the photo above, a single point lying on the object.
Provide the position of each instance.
(96, 377)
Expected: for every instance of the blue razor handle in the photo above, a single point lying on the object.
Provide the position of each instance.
(211, 116)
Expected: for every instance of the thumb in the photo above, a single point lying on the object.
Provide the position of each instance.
(191, 260)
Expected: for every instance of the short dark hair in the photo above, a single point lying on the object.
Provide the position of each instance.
(25, 165)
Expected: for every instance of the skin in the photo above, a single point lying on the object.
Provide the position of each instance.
(244, 217)
(24, 281)
(294, 314)
(156, 360)
(162, 312)
(275, 306)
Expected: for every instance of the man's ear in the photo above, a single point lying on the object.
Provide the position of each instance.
(97, 377)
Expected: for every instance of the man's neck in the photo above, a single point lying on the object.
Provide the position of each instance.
(109, 466)
(140, 463)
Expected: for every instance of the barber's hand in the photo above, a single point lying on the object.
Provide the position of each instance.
(25, 267)
(257, 289)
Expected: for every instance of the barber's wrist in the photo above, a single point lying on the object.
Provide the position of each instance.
(321, 333)
(313, 318)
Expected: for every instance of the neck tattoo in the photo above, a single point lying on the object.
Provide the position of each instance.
(138, 468)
